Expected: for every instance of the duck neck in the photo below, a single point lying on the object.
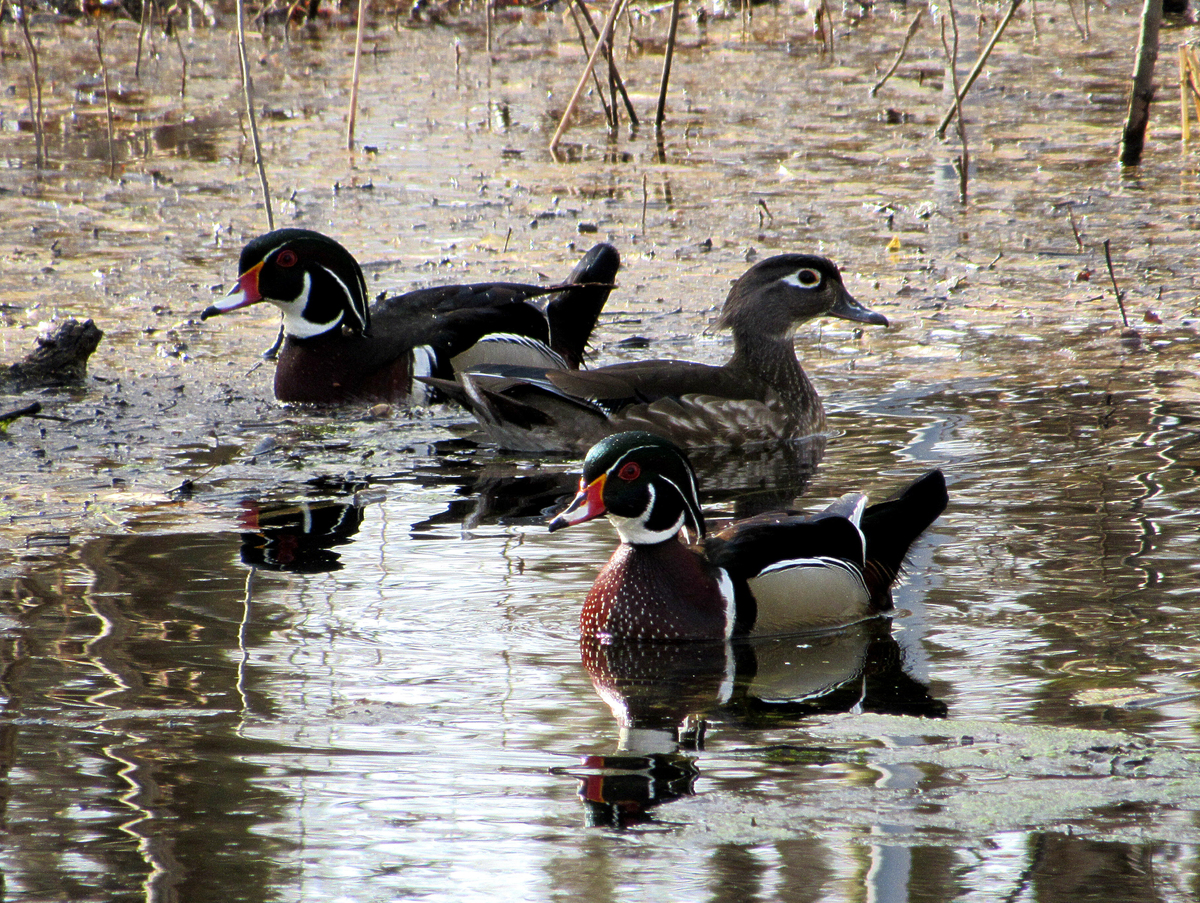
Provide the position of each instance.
(773, 360)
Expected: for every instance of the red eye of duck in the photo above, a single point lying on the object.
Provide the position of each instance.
(286, 258)
(630, 471)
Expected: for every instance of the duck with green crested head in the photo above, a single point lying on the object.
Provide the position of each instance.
(778, 573)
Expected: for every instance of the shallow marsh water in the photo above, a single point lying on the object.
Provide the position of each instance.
(202, 703)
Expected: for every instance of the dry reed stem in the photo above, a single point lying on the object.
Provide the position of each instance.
(605, 36)
(609, 117)
(248, 93)
(352, 116)
(1141, 93)
(828, 31)
(978, 68)
(964, 159)
(908, 36)
(1074, 226)
(112, 151)
(645, 200)
(1189, 88)
(35, 89)
(669, 54)
(182, 58)
(1084, 28)
(142, 25)
(587, 16)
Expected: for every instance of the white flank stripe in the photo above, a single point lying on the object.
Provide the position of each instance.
(725, 585)
(821, 562)
(423, 359)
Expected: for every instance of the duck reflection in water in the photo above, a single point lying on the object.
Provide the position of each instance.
(775, 616)
(492, 490)
(299, 536)
(664, 696)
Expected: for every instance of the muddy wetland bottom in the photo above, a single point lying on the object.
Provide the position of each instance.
(253, 651)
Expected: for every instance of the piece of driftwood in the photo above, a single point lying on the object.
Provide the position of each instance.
(59, 359)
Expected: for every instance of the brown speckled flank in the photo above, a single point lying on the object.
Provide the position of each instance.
(770, 574)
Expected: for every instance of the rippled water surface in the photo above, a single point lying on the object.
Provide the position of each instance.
(253, 653)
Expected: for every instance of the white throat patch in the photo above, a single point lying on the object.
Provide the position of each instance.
(633, 530)
(294, 323)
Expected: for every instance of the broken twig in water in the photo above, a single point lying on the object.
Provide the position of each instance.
(352, 116)
(763, 208)
(1074, 227)
(645, 201)
(912, 30)
(1116, 289)
(979, 64)
(248, 92)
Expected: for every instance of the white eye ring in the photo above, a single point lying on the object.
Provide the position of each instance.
(805, 277)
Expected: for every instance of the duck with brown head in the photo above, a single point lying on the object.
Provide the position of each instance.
(761, 395)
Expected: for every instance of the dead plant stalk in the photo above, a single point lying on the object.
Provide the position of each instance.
(629, 110)
(352, 117)
(964, 159)
(35, 89)
(112, 151)
(661, 112)
(978, 67)
(908, 36)
(608, 113)
(248, 93)
(1116, 290)
(601, 41)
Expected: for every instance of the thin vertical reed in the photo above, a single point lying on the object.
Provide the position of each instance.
(352, 117)
(248, 93)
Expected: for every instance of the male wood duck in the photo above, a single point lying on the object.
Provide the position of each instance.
(336, 348)
(760, 396)
(765, 575)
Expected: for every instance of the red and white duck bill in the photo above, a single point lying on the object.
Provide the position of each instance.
(243, 294)
(588, 504)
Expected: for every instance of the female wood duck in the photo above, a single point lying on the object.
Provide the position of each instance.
(770, 574)
(337, 349)
(760, 396)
